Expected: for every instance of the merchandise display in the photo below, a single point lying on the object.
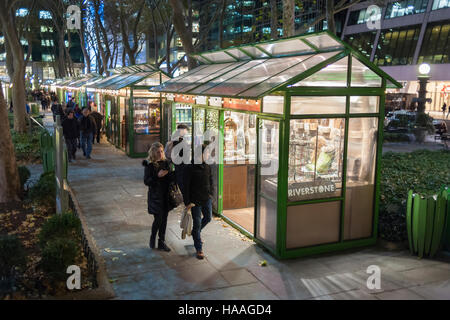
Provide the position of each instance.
(240, 137)
(315, 158)
(147, 116)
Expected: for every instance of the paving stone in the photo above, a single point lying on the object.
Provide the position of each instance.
(434, 291)
(253, 291)
(401, 294)
(330, 284)
(348, 295)
(238, 277)
(426, 275)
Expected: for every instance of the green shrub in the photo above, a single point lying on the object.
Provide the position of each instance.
(396, 137)
(57, 255)
(65, 225)
(24, 175)
(44, 191)
(422, 171)
(12, 255)
(26, 147)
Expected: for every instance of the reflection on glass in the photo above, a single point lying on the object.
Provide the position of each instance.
(293, 46)
(360, 187)
(269, 139)
(362, 76)
(317, 105)
(147, 115)
(315, 158)
(212, 126)
(199, 129)
(267, 222)
(333, 75)
(364, 104)
(239, 137)
(324, 41)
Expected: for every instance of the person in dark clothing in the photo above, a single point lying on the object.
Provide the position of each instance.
(177, 138)
(44, 103)
(71, 132)
(197, 195)
(98, 121)
(57, 109)
(11, 107)
(71, 103)
(87, 129)
(158, 177)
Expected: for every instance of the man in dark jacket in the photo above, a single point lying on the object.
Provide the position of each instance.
(98, 122)
(57, 109)
(197, 195)
(71, 133)
(87, 129)
(71, 103)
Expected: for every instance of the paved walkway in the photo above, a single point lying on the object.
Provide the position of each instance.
(112, 196)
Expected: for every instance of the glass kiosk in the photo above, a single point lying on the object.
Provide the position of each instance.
(299, 124)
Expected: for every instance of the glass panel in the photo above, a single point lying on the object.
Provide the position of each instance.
(212, 76)
(360, 188)
(287, 47)
(147, 116)
(313, 224)
(436, 43)
(239, 168)
(199, 130)
(174, 86)
(363, 42)
(212, 136)
(316, 148)
(227, 76)
(201, 59)
(362, 76)
(333, 75)
(267, 222)
(324, 41)
(183, 115)
(273, 104)
(255, 52)
(269, 146)
(150, 81)
(219, 56)
(123, 123)
(257, 74)
(364, 104)
(238, 54)
(317, 105)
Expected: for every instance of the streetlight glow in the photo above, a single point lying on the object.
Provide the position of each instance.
(424, 69)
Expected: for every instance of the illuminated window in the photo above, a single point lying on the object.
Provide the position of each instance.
(436, 43)
(45, 14)
(66, 43)
(24, 42)
(47, 57)
(396, 46)
(3, 56)
(362, 42)
(440, 4)
(360, 17)
(195, 27)
(405, 7)
(22, 12)
(47, 43)
(46, 29)
(2, 40)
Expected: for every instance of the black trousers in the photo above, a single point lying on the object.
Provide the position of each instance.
(71, 147)
(97, 136)
(159, 225)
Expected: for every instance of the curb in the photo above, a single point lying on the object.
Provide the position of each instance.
(104, 290)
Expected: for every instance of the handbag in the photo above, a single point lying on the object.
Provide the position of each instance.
(175, 195)
(186, 223)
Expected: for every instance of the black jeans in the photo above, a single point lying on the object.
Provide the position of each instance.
(159, 225)
(71, 147)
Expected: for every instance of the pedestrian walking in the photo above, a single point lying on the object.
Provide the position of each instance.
(158, 177)
(44, 103)
(71, 132)
(444, 107)
(177, 138)
(71, 103)
(87, 130)
(56, 109)
(98, 121)
(197, 195)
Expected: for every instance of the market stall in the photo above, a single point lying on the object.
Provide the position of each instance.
(132, 113)
(77, 88)
(298, 126)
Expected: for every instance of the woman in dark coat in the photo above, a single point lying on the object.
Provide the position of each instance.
(158, 177)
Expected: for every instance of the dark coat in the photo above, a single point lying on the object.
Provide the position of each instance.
(71, 129)
(158, 188)
(98, 119)
(197, 184)
(87, 125)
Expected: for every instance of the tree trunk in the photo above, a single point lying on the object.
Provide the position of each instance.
(330, 16)
(273, 19)
(9, 175)
(179, 22)
(222, 17)
(288, 18)
(18, 79)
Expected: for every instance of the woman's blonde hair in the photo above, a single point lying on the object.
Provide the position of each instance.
(152, 157)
